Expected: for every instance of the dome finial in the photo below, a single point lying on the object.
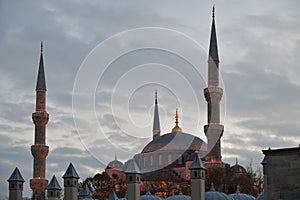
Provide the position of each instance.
(176, 129)
(213, 11)
(197, 149)
(116, 156)
(212, 187)
(236, 161)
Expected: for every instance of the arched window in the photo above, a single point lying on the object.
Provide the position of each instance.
(160, 159)
(169, 158)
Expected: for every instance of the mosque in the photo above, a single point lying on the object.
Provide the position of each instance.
(182, 154)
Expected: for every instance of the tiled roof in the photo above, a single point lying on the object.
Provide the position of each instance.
(71, 172)
(54, 185)
(197, 163)
(16, 176)
(132, 168)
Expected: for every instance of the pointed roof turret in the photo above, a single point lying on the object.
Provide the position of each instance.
(16, 176)
(113, 195)
(176, 129)
(197, 163)
(132, 168)
(85, 192)
(156, 123)
(41, 82)
(213, 45)
(71, 172)
(54, 185)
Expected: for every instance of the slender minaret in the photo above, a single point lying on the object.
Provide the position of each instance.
(156, 123)
(197, 173)
(213, 94)
(39, 150)
(133, 179)
(16, 185)
(53, 189)
(70, 183)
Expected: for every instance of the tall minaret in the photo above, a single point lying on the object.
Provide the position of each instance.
(156, 123)
(213, 94)
(39, 150)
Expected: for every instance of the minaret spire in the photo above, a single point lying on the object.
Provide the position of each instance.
(41, 81)
(156, 123)
(40, 150)
(213, 94)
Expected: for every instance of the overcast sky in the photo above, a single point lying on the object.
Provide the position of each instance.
(104, 59)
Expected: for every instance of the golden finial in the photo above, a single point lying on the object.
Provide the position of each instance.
(236, 161)
(197, 149)
(116, 156)
(155, 93)
(176, 129)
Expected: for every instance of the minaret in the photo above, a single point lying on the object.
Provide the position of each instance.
(53, 189)
(213, 94)
(39, 150)
(133, 179)
(16, 185)
(156, 123)
(197, 173)
(70, 183)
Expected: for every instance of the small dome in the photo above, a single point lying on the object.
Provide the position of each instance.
(238, 168)
(214, 195)
(180, 196)
(241, 196)
(261, 196)
(149, 196)
(116, 165)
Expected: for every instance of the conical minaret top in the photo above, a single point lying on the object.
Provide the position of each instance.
(213, 46)
(156, 123)
(41, 82)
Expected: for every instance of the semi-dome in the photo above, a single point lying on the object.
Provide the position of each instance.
(261, 196)
(149, 196)
(178, 141)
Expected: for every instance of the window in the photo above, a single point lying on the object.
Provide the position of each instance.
(130, 178)
(12, 185)
(75, 182)
(151, 160)
(138, 178)
(20, 186)
(68, 182)
(51, 194)
(160, 159)
(169, 158)
(195, 174)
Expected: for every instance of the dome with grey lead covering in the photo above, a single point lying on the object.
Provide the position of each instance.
(214, 195)
(180, 196)
(149, 196)
(241, 196)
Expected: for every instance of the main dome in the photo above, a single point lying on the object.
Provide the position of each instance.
(175, 141)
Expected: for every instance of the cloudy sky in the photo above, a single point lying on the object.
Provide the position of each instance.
(104, 59)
